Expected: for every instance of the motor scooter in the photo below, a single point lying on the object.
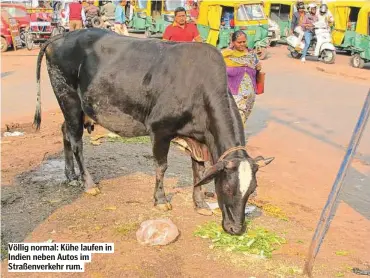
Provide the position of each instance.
(321, 45)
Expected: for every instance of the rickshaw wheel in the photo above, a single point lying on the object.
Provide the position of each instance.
(261, 52)
(4, 45)
(357, 61)
(274, 43)
(328, 56)
(29, 41)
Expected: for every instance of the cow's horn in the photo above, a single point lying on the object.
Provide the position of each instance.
(262, 162)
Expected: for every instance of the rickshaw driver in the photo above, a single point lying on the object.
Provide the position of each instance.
(180, 31)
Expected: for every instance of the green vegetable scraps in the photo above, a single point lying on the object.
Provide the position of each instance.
(257, 240)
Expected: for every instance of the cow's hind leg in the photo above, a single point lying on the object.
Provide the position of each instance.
(160, 152)
(70, 105)
(69, 169)
(198, 197)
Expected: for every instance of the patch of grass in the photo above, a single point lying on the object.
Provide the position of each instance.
(125, 229)
(4, 253)
(257, 240)
(342, 253)
(339, 274)
(271, 210)
(133, 140)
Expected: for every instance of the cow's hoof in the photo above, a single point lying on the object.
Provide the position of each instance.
(204, 211)
(164, 207)
(74, 183)
(92, 191)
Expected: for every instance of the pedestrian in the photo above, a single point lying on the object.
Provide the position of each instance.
(75, 14)
(120, 19)
(242, 67)
(194, 12)
(180, 30)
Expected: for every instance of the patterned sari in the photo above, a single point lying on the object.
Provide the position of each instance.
(241, 72)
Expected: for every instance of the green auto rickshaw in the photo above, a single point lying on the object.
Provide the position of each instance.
(219, 19)
(360, 45)
(153, 16)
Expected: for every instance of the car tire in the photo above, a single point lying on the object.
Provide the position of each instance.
(357, 61)
(4, 45)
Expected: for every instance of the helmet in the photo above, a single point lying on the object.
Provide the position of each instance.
(323, 9)
(300, 5)
(311, 6)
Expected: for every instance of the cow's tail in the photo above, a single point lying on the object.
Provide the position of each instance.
(37, 117)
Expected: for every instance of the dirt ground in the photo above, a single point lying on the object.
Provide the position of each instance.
(37, 205)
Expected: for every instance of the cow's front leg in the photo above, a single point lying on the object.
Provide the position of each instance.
(160, 152)
(198, 197)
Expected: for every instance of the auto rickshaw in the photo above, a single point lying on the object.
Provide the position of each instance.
(280, 14)
(346, 19)
(352, 31)
(153, 16)
(219, 19)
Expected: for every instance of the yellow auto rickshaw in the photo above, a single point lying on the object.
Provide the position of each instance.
(346, 15)
(219, 19)
(351, 30)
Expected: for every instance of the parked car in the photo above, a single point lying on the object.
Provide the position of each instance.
(6, 38)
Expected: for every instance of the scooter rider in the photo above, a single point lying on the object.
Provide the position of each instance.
(297, 21)
(325, 16)
(308, 25)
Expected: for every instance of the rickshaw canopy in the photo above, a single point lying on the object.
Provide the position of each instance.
(362, 26)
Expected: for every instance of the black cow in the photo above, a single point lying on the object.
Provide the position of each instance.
(137, 87)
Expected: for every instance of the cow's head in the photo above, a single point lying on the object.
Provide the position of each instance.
(235, 181)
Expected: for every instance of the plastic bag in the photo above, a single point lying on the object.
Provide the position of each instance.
(157, 232)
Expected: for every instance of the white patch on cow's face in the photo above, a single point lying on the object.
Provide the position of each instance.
(245, 176)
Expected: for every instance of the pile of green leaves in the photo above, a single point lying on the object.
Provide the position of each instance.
(131, 140)
(257, 240)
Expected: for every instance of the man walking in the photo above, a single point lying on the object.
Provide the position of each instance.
(76, 15)
(120, 19)
(180, 31)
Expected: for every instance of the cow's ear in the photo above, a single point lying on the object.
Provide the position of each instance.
(211, 172)
(262, 162)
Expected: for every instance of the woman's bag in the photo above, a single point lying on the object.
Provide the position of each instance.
(260, 83)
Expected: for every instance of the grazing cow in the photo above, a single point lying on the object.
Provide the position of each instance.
(137, 87)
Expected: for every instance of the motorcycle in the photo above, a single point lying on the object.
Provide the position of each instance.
(93, 21)
(321, 45)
